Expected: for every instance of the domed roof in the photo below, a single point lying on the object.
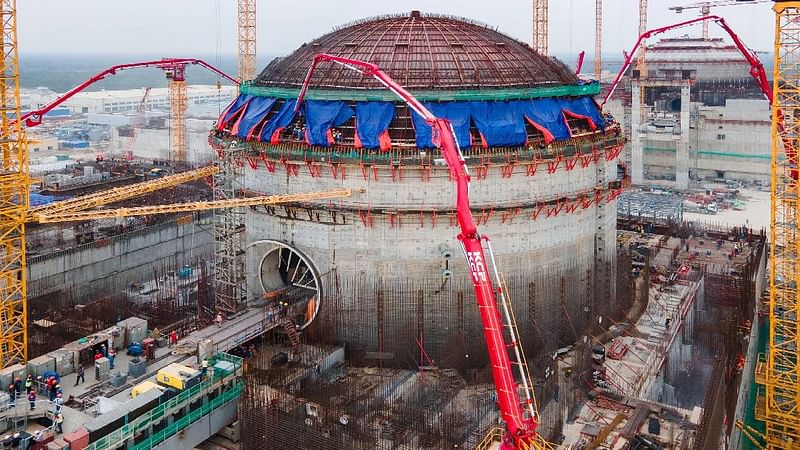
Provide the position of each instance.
(420, 52)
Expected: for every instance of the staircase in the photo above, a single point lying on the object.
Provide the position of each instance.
(291, 331)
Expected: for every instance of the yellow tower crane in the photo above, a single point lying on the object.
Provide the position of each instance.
(598, 39)
(641, 61)
(540, 25)
(179, 103)
(14, 197)
(15, 209)
(247, 39)
(778, 403)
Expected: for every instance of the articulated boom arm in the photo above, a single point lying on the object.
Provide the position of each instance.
(174, 65)
(756, 68)
(520, 427)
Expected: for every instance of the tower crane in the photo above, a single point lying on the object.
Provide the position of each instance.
(641, 62)
(540, 26)
(178, 104)
(15, 209)
(705, 8)
(779, 375)
(246, 18)
(598, 39)
(175, 70)
(518, 414)
(137, 123)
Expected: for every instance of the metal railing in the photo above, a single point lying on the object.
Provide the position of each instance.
(232, 388)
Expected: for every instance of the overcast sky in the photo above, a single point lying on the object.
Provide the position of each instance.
(208, 27)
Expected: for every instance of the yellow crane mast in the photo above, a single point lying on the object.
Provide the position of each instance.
(179, 103)
(598, 39)
(540, 24)
(247, 39)
(641, 61)
(14, 197)
(780, 375)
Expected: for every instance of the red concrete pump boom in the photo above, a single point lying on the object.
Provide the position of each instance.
(756, 68)
(176, 65)
(519, 416)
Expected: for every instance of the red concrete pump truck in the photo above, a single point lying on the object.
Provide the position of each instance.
(519, 414)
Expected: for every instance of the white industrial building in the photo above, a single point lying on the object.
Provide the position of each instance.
(120, 101)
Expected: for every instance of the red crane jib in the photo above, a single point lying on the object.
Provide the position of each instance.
(756, 68)
(520, 430)
(175, 66)
(756, 71)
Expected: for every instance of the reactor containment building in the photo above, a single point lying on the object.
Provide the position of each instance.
(381, 271)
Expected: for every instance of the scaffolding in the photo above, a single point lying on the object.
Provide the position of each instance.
(229, 256)
(652, 207)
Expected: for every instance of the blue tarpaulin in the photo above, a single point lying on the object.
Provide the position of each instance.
(547, 113)
(279, 121)
(256, 110)
(39, 199)
(232, 109)
(457, 112)
(501, 123)
(372, 120)
(321, 115)
(585, 106)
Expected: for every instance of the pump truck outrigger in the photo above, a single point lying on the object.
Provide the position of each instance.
(519, 416)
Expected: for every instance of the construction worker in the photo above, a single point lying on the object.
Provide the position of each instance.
(79, 378)
(173, 338)
(59, 423)
(204, 367)
(111, 355)
(218, 320)
(53, 390)
(18, 385)
(12, 394)
(29, 384)
(58, 403)
(32, 399)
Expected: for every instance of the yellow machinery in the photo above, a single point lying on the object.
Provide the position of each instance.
(779, 375)
(178, 376)
(143, 387)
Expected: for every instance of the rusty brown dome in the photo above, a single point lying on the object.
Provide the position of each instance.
(421, 51)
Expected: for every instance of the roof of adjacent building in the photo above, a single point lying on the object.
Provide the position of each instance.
(421, 51)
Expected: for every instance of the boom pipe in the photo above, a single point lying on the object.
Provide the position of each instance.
(756, 68)
(520, 430)
(190, 207)
(122, 193)
(34, 118)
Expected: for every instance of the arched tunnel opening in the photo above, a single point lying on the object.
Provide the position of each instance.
(291, 283)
